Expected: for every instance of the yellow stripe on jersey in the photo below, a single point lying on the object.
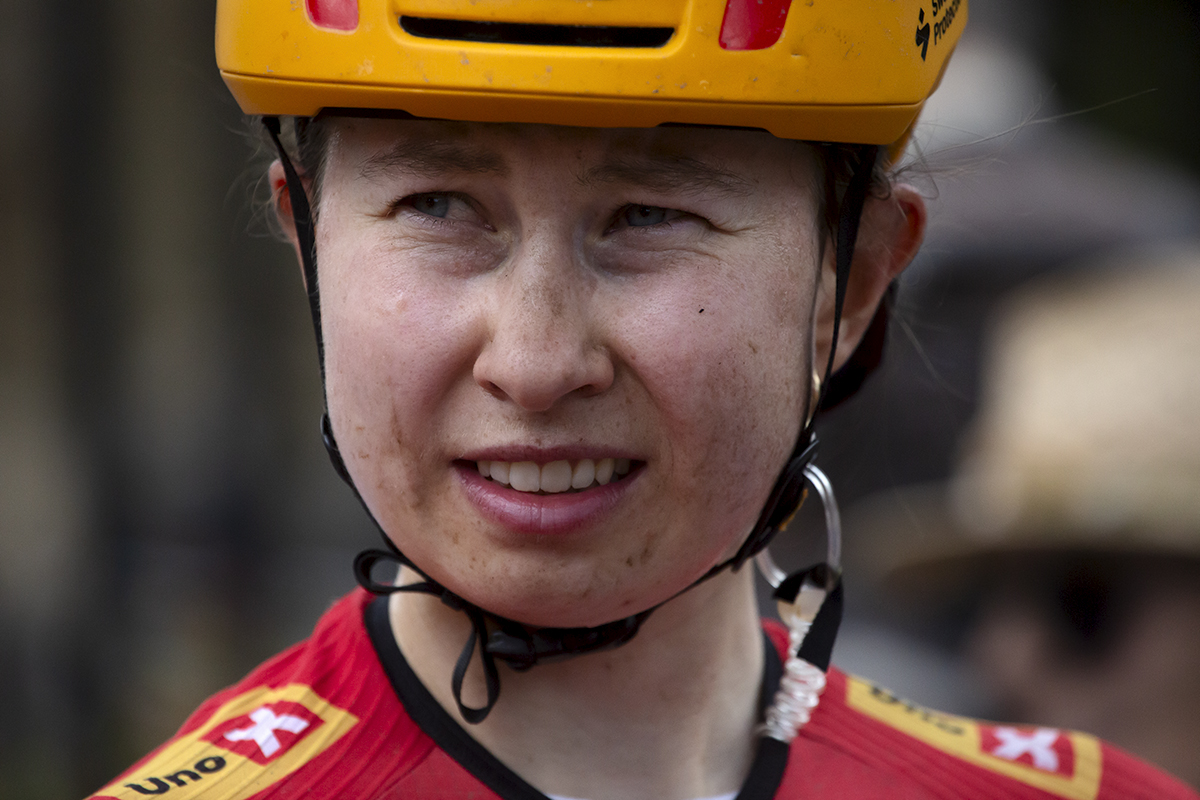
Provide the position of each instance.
(255, 740)
(1064, 763)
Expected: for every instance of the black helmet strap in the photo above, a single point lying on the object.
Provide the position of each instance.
(306, 240)
(522, 646)
(788, 492)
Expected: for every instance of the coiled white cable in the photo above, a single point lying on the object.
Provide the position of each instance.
(799, 691)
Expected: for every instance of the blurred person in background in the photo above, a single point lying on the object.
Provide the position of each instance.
(1019, 187)
(1069, 536)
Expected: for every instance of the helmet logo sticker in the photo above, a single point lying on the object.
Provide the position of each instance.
(922, 33)
(940, 26)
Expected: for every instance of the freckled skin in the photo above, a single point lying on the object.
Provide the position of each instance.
(534, 319)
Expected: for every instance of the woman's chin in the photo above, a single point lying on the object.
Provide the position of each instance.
(557, 611)
(536, 602)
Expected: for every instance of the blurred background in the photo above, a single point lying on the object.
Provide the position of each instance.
(168, 517)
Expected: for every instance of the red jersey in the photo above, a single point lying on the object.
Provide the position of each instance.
(341, 716)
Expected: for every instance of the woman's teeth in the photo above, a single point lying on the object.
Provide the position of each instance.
(555, 477)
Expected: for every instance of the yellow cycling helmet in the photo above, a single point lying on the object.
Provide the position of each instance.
(855, 71)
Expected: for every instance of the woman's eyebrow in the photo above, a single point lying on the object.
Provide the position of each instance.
(668, 174)
(426, 158)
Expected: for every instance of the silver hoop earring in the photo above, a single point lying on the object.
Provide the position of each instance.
(833, 530)
(810, 605)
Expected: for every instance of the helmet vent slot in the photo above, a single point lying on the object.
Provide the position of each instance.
(519, 33)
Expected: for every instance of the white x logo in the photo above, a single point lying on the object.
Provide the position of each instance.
(1039, 745)
(262, 732)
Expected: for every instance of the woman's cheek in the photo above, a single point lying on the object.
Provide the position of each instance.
(753, 370)
(722, 387)
(393, 344)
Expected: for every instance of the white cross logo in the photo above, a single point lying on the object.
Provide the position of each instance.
(1039, 745)
(262, 732)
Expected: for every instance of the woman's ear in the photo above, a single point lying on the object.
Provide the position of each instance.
(281, 201)
(889, 236)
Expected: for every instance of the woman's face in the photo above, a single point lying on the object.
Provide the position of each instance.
(563, 304)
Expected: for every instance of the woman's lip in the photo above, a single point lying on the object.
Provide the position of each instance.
(541, 514)
(545, 455)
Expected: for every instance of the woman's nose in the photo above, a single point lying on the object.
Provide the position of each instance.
(541, 345)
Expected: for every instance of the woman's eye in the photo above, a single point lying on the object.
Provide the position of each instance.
(435, 205)
(439, 205)
(641, 216)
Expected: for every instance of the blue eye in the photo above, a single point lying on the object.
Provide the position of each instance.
(435, 205)
(641, 216)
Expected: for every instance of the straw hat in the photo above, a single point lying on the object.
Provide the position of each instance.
(1087, 438)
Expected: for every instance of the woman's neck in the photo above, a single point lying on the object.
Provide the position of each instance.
(670, 714)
